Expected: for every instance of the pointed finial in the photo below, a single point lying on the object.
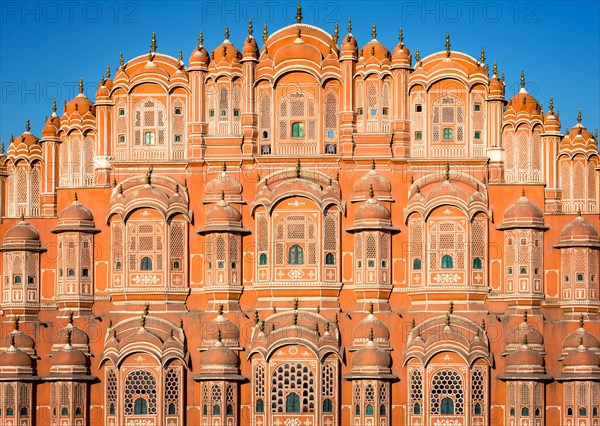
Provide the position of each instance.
(451, 307)
(70, 317)
(222, 195)
(81, 85)
(483, 326)
(298, 168)
(374, 31)
(299, 13)
(153, 43)
(495, 71)
(69, 336)
(250, 28)
(349, 26)
(522, 79)
(262, 326)
(220, 311)
(579, 212)
(226, 32)
(413, 324)
(16, 320)
(401, 37)
(146, 308)
(596, 134)
(11, 339)
(522, 191)
(525, 316)
(447, 171)
(551, 105)
(371, 335)
(2, 148)
(295, 318)
(372, 164)
(149, 176)
(54, 106)
(75, 196)
(180, 59)
(336, 32)
(418, 57)
(502, 77)
(295, 302)
(108, 71)
(371, 308)
(22, 217)
(27, 125)
(219, 335)
(120, 189)
(482, 58)
(336, 319)
(327, 327)
(581, 321)
(121, 60)
(256, 317)
(371, 193)
(299, 32)
(448, 44)
(448, 320)
(143, 321)
(579, 116)
(265, 33)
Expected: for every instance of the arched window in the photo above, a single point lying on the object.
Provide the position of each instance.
(148, 138)
(77, 411)
(447, 262)
(10, 411)
(447, 406)
(357, 410)
(146, 264)
(17, 279)
(260, 406)
(216, 409)
(477, 263)
(417, 408)
(369, 410)
(329, 259)
(140, 407)
(229, 410)
(71, 272)
(64, 411)
(171, 408)
(524, 411)
(292, 403)
(417, 264)
(24, 412)
(327, 406)
(111, 409)
(262, 259)
(582, 411)
(297, 130)
(382, 410)
(477, 409)
(296, 255)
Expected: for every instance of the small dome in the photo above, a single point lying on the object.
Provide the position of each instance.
(374, 48)
(222, 211)
(80, 103)
(226, 51)
(78, 336)
(362, 331)
(371, 356)
(372, 209)
(14, 357)
(21, 340)
(52, 125)
(298, 50)
(579, 231)
(525, 356)
(578, 337)
(27, 138)
(199, 56)
(22, 231)
(496, 87)
(69, 356)
(222, 325)
(219, 356)
(522, 104)
(523, 213)
(581, 357)
(525, 331)
(76, 211)
(224, 183)
(401, 56)
(250, 49)
(381, 185)
(349, 47)
(551, 120)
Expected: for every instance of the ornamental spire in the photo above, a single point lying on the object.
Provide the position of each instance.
(54, 106)
(349, 26)
(108, 71)
(451, 307)
(417, 56)
(298, 168)
(522, 79)
(226, 32)
(448, 44)
(250, 28)
(299, 13)
(551, 105)
(525, 317)
(371, 335)
(121, 60)
(447, 171)
(371, 193)
(27, 125)
(374, 31)
(153, 43)
(81, 85)
(200, 40)
(336, 32)
(495, 69)
(579, 116)
(482, 58)
(581, 321)
(265, 33)
(371, 308)
(401, 37)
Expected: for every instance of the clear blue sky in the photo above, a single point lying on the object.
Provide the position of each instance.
(46, 46)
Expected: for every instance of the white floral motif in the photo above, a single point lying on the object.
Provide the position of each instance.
(295, 274)
(292, 422)
(146, 279)
(447, 278)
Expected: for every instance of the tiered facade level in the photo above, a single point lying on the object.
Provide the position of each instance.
(309, 233)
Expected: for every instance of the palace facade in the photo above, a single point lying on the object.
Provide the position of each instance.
(311, 232)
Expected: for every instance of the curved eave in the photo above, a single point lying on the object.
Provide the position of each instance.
(387, 228)
(538, 377)
(59, 230)
(581, 244)
(229, 377)
(372, 376)
(507, 227)
(230, 229)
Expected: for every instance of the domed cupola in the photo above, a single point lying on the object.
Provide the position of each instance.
(524, 330)
(575, 339)
(79, 338)
(349, 45)
(222, 217)
(380, 184)
(401, 56)
(523, 214)
(250, 50)
(15, 363)
(371, 324)
(68, 362)
(523, 105)
(80, 103)
(26, 144)
(525, 364)
(226, 184)
(76, 218)
(580, 364)
(551, 120)
(579, 233)
(374, 50)
(226, 54)
(372, 215)
(52, 125)
(371, 359)
(22, 236)
(223, 326)
(200, 58)
(497, 85)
